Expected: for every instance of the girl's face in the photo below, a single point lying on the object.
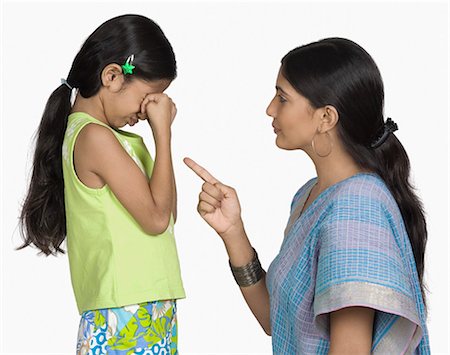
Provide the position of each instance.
(124, 106)
(294, 119)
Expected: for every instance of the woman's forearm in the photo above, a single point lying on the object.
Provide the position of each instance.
(257, 298)
(240, 253)
(219, 207)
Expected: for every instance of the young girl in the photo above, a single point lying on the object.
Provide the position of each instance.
(348, 278)
(98, 185)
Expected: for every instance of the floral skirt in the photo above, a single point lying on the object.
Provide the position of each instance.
(141, 329)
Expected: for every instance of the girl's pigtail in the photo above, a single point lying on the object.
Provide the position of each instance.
(43, 219)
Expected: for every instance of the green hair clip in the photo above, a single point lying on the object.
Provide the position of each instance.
(128, 67)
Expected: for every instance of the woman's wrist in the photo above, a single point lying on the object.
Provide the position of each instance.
(243, 258)
(248, 274)
(234, 232)
(240, 251)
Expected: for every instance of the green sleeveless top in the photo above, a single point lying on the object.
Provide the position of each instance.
(113, 262)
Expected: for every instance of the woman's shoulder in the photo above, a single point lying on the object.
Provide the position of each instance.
(369, 185)
(364, 193)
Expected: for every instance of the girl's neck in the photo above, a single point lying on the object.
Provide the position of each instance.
(92, 106)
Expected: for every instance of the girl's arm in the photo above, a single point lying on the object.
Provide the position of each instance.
(149, 202)
(351, 331)
(174, 199)
(163, 154)
(161, 112)
(219, 207)
(162, 177)
(154, 106)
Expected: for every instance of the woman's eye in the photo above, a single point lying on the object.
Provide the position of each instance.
(281, 98)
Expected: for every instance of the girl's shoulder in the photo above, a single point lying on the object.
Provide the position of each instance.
(80, 119)
(80, 116)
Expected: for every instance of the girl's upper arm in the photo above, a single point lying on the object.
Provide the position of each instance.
(351, 330)
(113, 164)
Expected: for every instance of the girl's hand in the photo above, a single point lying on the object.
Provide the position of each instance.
(218, 204)
(160, 112)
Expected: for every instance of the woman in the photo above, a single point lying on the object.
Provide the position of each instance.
(349, 275)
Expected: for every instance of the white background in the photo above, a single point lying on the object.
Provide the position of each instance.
(228, 57)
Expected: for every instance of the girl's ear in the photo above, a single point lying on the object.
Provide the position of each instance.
(112, 77)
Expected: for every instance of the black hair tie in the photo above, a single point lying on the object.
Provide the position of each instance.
(389, 127)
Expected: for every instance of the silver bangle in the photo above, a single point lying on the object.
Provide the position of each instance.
(249, 274)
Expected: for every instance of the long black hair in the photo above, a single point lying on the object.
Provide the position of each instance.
(43, 218)
(338, 72)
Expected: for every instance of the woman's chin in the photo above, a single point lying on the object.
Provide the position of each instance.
(283, 145)
(279, 143)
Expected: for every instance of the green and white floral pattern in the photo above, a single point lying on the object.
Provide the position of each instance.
(143, 329)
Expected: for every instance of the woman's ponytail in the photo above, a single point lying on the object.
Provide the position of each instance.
(390, 161)
(43, 219)
(392, 164)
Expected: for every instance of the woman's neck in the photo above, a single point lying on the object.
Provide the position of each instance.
(337, 166)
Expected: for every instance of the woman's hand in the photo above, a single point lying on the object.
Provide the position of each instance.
(160, 112)
(218, 204)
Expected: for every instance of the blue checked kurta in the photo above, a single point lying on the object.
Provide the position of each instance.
(348, 248)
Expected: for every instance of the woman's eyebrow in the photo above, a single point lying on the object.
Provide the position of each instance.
(282, 91)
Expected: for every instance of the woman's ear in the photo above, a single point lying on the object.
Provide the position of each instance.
(329, 118)
(112, 77)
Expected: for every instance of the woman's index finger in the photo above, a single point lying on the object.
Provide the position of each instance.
(200, 171)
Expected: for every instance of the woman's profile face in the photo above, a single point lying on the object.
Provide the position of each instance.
(293, 117)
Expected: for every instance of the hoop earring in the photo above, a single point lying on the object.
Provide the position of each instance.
(330, 146)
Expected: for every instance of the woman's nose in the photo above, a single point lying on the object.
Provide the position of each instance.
(270, 110)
